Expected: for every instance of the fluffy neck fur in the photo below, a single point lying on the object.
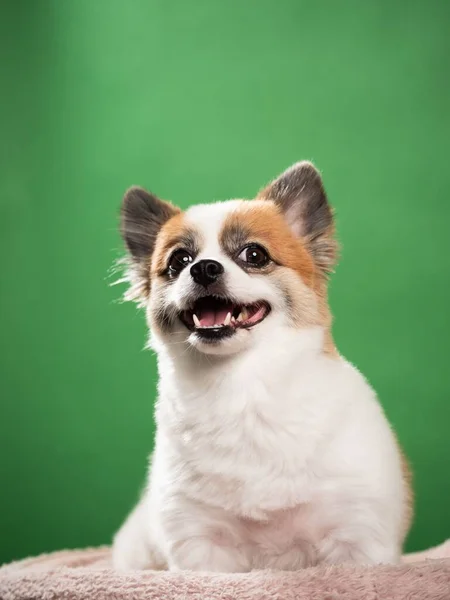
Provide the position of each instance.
(266, 363)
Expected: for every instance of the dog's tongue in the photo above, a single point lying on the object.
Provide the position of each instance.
(209, 317)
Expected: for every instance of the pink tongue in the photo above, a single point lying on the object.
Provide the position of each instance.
(221, 315)
(209, 317)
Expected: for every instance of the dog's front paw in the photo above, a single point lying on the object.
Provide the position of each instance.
(364, 551)
(133, 548)
(205, 554)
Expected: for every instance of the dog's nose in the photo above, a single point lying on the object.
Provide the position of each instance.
(205, 272)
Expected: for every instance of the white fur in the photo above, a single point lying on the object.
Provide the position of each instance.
(268, 455)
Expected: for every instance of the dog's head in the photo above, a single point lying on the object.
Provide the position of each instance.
(222, 276)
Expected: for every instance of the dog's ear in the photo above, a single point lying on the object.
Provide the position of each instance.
(142, 216)
(301, 198)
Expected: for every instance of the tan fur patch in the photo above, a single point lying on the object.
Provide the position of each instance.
(261, 222)
(176, 232)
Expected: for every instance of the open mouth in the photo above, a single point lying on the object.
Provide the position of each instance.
(215, 318)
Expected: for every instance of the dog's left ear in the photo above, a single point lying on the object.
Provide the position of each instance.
(301, 197)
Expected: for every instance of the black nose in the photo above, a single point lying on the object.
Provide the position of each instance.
(205, 272)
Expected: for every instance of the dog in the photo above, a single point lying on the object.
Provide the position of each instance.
(272, 451)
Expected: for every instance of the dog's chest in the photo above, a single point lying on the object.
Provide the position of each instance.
(247, 449)
(249, 440)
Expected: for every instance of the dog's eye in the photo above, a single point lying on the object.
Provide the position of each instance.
(178, 261)
(254, 256)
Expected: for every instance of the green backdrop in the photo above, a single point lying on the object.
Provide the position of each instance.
(201, 100)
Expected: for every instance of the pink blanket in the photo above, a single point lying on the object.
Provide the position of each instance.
(87, 575)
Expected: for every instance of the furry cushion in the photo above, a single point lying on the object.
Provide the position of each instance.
(87, 574)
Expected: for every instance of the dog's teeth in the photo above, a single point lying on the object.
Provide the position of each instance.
(196, 320)
(239, 318)
(227, 319)
(243, 315)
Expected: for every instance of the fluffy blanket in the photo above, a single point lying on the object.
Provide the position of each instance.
(87, 575)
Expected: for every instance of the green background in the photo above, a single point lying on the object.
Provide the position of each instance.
(203, 100)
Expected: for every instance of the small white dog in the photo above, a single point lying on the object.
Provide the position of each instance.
(271, 450)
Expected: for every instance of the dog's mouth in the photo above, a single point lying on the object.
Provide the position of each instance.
(214, 318)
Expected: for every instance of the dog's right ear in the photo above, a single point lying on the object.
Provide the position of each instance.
(142, 216)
